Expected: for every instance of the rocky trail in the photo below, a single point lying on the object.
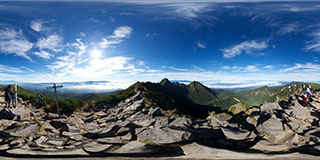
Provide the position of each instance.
(283, 130)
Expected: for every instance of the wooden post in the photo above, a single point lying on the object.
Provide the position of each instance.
(55, 93)
(16, 94)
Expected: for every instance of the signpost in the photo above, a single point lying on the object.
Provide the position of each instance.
(55, 93)
(16, 94)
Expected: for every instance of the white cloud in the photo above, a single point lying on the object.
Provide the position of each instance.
(310, 67)
(83, 34)
(226, 67)
(36, 25)
(197, 68)
(150, 35)
(289, 28)
(176, 69)
(201, 45)
(9, 69)
(53, 42)
(252, 68)
(121, 32)
(28, 69)
(269, 67)
(14, 42)
(43, 54)
(247, 47)
(314, 44)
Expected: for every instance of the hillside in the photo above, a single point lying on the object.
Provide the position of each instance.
(197, 99)
(256, 97)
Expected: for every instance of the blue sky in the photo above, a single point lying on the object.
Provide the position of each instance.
(228, 42)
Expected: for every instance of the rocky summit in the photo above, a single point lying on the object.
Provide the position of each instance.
(133, 128)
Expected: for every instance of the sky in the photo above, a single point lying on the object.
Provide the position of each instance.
(222, 44)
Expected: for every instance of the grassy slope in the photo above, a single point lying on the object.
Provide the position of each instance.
(262, 95)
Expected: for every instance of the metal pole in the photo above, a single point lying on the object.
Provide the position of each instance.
(16, 95)
(55, 92)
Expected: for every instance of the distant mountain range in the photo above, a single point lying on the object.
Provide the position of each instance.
(196, 98)
(193, 98)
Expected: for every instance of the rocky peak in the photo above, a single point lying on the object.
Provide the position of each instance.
(165, 82)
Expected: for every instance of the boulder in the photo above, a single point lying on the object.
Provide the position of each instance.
(142, 119)
(40, 140)
(136, 106)
(21, 131)
(272, 129)
(60, 124)
(54, 152)
(50, 116)
(164, 135)
(181, 122)
(94, 147)
(237, 108)
(135, 147)
(109, 132)
(110, 140)
(269, 107)
(235, 133)
(300, 112)
(13, 113)
(155, 112)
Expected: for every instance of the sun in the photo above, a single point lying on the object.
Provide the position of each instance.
(95, 53)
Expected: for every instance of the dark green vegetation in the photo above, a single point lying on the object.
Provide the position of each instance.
(113, 98)
(48, 103)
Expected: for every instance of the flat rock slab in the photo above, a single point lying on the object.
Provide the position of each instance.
(95, 147)
(235, 133)
(272, 129)
(77, 152)
(110, 140)
(22, 131)
(164, 135)
(135, 147)
(197, 151)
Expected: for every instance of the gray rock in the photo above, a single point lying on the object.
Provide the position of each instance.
(123, 131)
(40, 140)
(300, 112)
(73, 135)
(252, 120)
(155, 112)
(142, 120)
(109, 132)
(181, 122)
(235, 133)
(4, 147)
(162, 121)
(60, 124)
(135, 147)
(16, 143)
(50, 116)
(21, 131)
(95, 147)
(4, 123)
(272, 129)
(110, 140)
(92, 127)
(269, 107)
(136, 106)
(164, 135)
(13, 113)
(55, 142)
(54, 152)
